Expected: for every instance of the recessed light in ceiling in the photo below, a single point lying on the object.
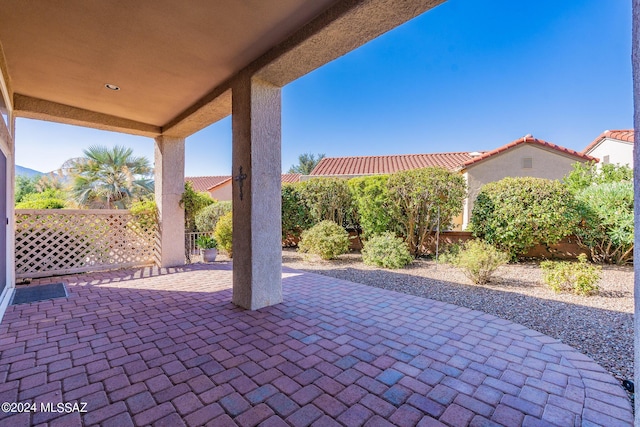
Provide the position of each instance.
(111, 87)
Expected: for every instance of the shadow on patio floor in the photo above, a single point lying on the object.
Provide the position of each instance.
(170, 349)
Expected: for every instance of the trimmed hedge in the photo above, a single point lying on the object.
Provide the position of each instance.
(515, 214)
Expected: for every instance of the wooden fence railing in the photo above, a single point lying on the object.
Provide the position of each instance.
(50, 242)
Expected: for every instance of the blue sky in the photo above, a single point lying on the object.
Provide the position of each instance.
(466, 76)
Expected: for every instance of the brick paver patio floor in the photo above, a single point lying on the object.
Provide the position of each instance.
(168, 348)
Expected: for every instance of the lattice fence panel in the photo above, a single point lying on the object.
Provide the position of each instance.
(70, 241)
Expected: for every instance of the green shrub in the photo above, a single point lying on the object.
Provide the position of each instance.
(375, 210)
(25, 185)
(326, 239)
(145, 213)
(578, 277)
(450, 253)
(386, 250)
(192, 202)
(327, 199)
(515, 214)
(295, 214)
(207, 218)
(585, 175)
(417, 196)
(224, 233)
(479, 260)
(606, 228)
(48, 199)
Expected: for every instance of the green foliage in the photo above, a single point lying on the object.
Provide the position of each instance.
(24, 186)
(326, 239)
(479, 260)
(327, 199)
(417, 195)
(607, 228)
(109, 177)
(50, 181)
(578, 277)
(450, 253)
(306, 163)
(207, 218)
(386, 250)
(585, 175)
(49, 199)
(514, 214)
(295, 215)
(145, 213)
(370, 196)
(206, 242)
(192, 202)
(224, 233)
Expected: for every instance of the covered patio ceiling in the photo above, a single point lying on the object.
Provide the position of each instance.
(173, 61)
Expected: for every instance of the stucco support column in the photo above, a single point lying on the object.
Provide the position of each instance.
(169, 186)
(257, 236)
(635, 59)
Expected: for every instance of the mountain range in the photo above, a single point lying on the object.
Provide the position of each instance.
(22, 171)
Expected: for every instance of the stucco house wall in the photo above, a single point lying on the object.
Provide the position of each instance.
(618, 152)
(545, 163)
(222, 192)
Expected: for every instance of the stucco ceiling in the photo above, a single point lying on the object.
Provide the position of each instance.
(163, 54)
(175, 62)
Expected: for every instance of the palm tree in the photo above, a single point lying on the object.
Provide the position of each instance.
(108, 178)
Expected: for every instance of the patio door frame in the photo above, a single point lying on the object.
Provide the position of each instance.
(6, 217)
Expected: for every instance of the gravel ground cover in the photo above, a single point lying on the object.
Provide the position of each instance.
(599, 326)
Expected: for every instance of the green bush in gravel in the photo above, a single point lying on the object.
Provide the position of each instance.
(386, 250)
(326, 239)
(479, 260)
(579, 277)
(515, 214)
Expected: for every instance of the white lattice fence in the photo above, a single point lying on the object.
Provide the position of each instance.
(71, 241)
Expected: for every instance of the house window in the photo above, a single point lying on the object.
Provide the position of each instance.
(527, 162)
(605, 160)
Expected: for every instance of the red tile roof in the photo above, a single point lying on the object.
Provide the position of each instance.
(204, 183)
(288, 178)
(369, 165)
(622, 135)
(528, 139)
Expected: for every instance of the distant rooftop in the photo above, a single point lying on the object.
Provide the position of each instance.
(368, 165)
(626, 135)
(204, 183)
(371, 165)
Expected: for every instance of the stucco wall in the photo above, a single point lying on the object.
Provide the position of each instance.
(222, 192)
(619, 152)
(545, 164)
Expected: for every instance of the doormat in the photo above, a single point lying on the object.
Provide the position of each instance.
(39, 293)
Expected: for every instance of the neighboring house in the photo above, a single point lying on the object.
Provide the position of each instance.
(219, 187)
(612, 146)
(526, 156)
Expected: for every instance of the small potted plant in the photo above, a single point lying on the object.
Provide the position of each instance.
(208, 248)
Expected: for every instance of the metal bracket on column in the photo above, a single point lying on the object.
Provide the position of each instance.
(240, 179)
